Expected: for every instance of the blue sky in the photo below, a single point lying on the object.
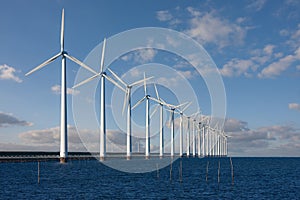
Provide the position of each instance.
(255, 45)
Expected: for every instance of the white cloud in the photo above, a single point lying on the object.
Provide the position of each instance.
(7, 119)
(276, 140)
(269, 49)
(298, 67)
(71, 91)
(294, 37)
(49, 139)
(241, 20)
(234, 125)
(140, 56)
(208, 27)
(187, 74)
(8, 73)
(274, 62)
(237, 67)
(277, 67)
(144, 55)
(164, 15)
(256, 5)
(294, 106)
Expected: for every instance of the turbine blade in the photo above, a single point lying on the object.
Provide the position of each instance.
(102, 56)
(86, 81)
(153, 99)
(80, 63)
(180, 105)
(176, 112)
(140, 81)
(156, 91)
(154, 111)
(145, 87)
(113, 82)
(117, 77)
(62, 30)
(138, 103)
(124, 103)
(186, 106)
(43, 64)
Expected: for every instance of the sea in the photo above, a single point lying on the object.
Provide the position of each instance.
(186, 178)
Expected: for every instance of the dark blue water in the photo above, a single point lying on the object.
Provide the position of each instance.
(254, 178)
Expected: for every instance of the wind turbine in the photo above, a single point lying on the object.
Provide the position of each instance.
(172, 110)
(194, 132)
(188, 132)
(161, 104)
(63, 98)
(127, 100)
(147, 98)
(199, 138)
(181, 129)
(102, 74)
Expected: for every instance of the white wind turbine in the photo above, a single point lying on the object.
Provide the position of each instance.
(147, 98)
(180, 111)
(214, 142)
(127, 100)
(189, 131)
(63, 97)
(199, 127)
(161, 104)
(194, 131)
(172, 109)
(102, 74)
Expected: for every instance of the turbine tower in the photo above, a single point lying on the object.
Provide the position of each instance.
(127, 101)
(63, 98)
(102, 74)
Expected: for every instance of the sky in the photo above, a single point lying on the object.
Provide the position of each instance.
(254, 44)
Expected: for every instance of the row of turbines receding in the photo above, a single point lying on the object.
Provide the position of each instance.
(201, 139)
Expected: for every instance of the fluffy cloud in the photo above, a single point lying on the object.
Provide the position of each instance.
(248, 67)
(208, 27)
(276, 140)
(294, 106)
(52, 135)
(256, 5)
(274, 62)
(234, 125)
(8, 73)
(7, 119)
(163, 15)
(144, 55)
(49, 139)
(276, 68)
(237, 67)
(56, 90)
(140, 56)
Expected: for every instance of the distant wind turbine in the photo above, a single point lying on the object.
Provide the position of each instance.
(161, 104)
(127, 101)
(63, 100)
(181, 129)
(172, 110)
(147, 98)
(102, 74)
